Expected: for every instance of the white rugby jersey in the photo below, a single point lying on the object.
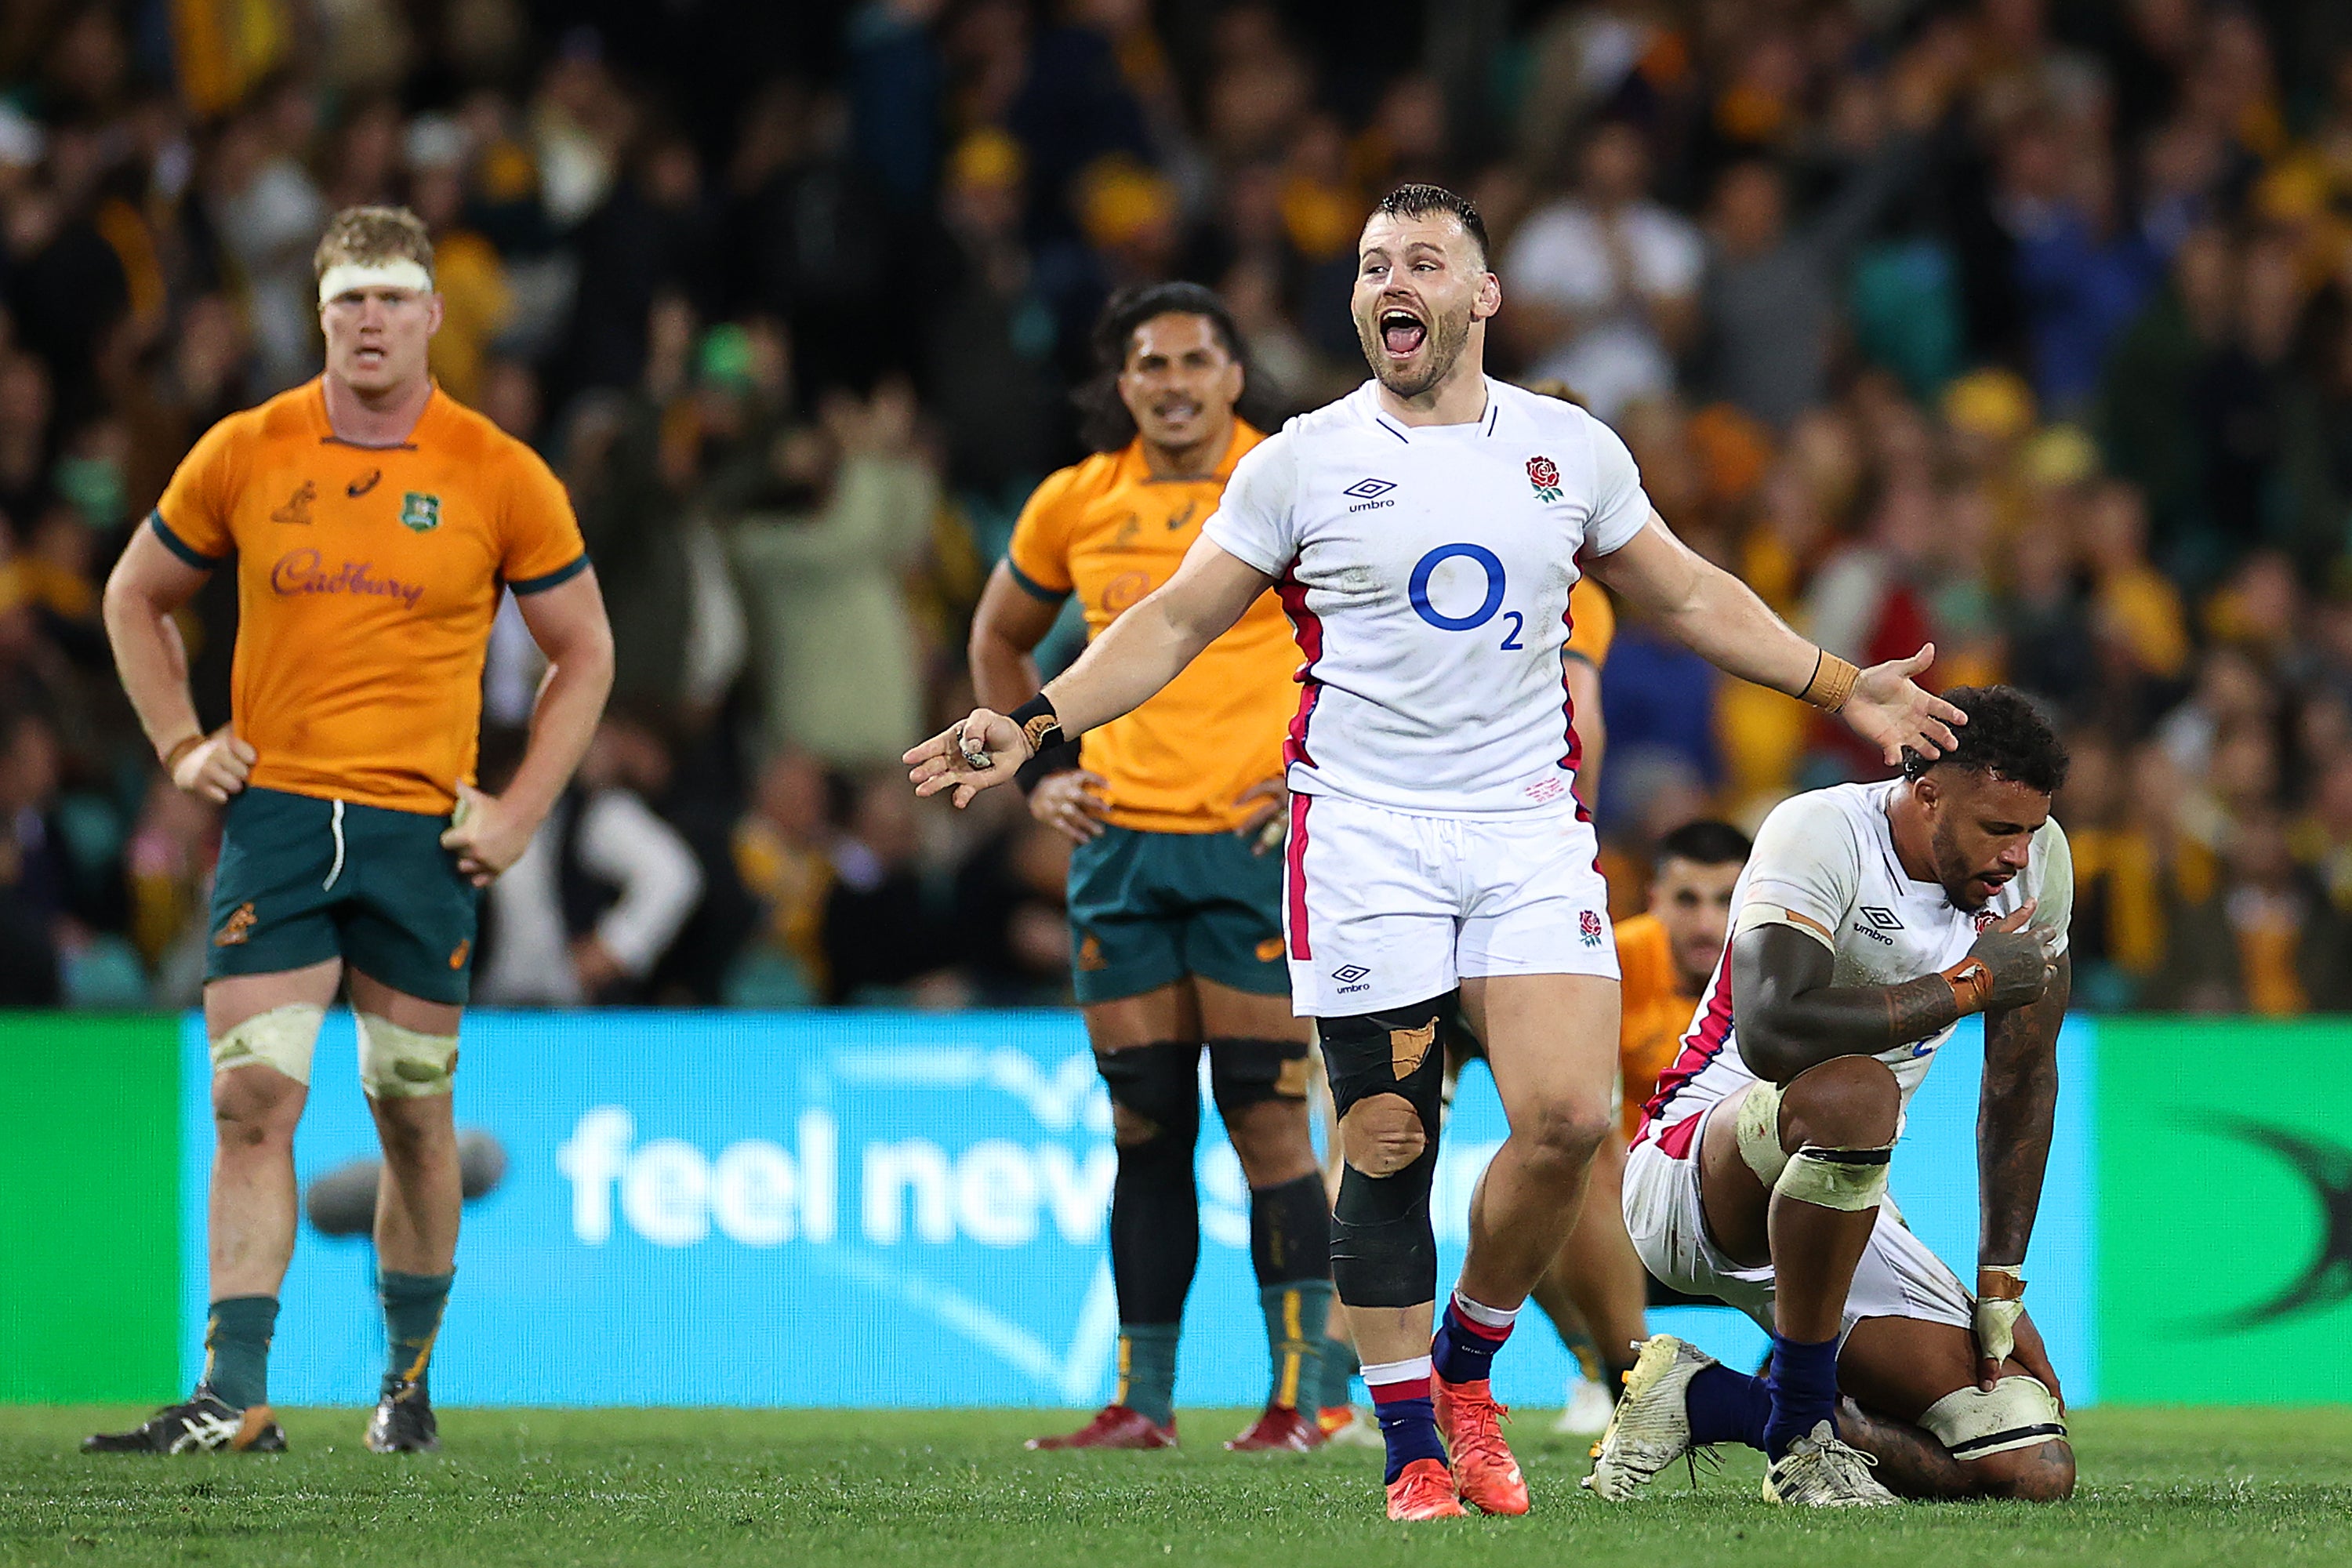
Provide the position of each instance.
(1426, 570)
(1829, 856)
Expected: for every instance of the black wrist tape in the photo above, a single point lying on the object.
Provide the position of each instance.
(1040, 725)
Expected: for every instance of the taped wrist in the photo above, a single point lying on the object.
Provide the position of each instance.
(1245, 1072)
(1040, 726)
(1851, 1180)
(1056, 759)
(1832, 683)
(1971, 985)
(1383, 1250)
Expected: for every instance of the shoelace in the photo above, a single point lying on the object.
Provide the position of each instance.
(1486, 1418)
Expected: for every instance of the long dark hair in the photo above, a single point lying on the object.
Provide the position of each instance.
(1103, 423)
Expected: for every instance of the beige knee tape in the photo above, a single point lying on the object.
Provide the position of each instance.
(282, 1038)
(2019, 1413)
(1760, 1132)
(404, 1064)
(1847, 1179)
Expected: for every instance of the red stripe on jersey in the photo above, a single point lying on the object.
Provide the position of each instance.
(1700, 1047)
(1573, 758)
(1676, 1140)
(1294, 884)
(1308, 629)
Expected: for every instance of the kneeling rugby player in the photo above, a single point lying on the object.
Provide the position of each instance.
(1870, 920)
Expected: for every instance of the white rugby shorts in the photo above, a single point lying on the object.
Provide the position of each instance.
(1384, 909)
(1898, 1276)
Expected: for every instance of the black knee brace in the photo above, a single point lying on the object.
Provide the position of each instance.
(1245, 1073)
(1158, 1084)
(1155, 1212)
(1383, 1250)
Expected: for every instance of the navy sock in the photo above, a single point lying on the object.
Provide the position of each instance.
(1803, 1382)
(1463, 1351)
(1409, 1423)
(1726, 1406)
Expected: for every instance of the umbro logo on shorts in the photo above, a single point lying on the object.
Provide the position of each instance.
(1883, 919)
(1351, 977)
(1367, 489)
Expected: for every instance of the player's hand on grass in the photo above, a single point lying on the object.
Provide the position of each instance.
(216, 767)
(1891, 711)
(982, 752)
(485, 835)
(1263, 827)
(1072, 804)
(2018, 953)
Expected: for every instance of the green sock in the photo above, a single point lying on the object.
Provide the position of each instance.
(1295, 1314)
(1340, 1369)
(412, 1317)
(236, 1348)
(1147, 1370)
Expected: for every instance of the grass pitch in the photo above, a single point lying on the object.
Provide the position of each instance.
(662, 1487)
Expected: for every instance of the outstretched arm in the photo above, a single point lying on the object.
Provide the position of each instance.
(1720, 618)
(1792, 1018)
(1135, 655)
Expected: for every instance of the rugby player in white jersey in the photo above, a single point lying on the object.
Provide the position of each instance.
(1424, 532)
(1870, 920)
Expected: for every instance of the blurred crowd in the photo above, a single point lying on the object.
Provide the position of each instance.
(2021, 326)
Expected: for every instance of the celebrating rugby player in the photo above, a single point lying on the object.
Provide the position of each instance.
(1175, 903)
(1425, 531)
(372, 524)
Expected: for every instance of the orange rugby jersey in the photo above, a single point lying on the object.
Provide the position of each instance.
(366, 581)
(1656, 1014)
(1108, 531)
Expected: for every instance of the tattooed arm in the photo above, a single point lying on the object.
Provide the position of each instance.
(1791, 1018)
(2014, 1118)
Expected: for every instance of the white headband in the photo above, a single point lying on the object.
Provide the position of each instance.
(344, 277)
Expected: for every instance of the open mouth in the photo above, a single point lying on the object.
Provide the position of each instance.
(1402, 332)
(1176, 408)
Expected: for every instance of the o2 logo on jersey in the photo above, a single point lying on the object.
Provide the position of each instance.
(1417, 590)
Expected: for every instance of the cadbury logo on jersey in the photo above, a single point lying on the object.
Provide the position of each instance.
(304, 572)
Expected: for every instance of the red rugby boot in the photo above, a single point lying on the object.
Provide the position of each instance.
(1472, 1424)
(1114, 1426)
(1281, 1429)
(1424, 1489)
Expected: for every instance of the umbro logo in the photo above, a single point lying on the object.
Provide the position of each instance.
(1883, 919)
(1367, 489)
(1352, 977)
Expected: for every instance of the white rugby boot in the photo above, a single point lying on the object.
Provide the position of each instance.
(1819, 1471)
(1652, 1426)
(1588, 1410)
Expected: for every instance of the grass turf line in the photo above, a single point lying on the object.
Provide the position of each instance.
(2161, 1488)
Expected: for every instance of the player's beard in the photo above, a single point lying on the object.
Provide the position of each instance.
(1960, 884)
(1448, 336)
